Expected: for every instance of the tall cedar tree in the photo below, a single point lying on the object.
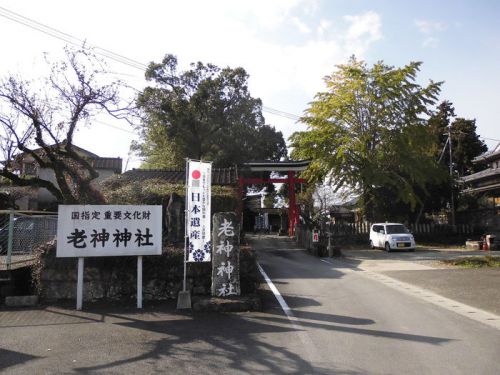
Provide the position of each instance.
(203, 113)
(465, 141)
(466, 145)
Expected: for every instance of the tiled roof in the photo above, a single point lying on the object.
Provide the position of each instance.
(114, 164)
(276, 166)
(487, 173)
(97, 162)
(488, 156)
(220, 176)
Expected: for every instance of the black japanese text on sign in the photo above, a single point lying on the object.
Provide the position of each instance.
(109, 230)
(226, 260)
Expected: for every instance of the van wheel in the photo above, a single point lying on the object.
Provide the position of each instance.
(371, 245)
(387, 247)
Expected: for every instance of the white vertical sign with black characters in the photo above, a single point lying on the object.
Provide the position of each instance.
(198, 200)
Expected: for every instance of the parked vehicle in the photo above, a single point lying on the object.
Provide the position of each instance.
(391, 236)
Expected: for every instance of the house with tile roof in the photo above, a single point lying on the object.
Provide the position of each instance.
(220, 176)
(40, 198)
(487, 180)
(486, 183)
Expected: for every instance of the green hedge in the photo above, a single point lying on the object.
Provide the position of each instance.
(118, 190)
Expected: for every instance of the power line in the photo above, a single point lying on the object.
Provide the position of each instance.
(490, 139)
(55, 33)
(277, 112)
(16, 17)
(115, 127)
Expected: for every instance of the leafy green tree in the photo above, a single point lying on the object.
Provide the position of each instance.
(466, 145)
(203, 113)
(465, 141)
(369, 132)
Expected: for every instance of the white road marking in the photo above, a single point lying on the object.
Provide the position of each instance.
(470, 312)
(309, 346)
(276, 293)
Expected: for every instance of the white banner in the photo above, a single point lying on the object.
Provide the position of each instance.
(199, 181)
(105, 230)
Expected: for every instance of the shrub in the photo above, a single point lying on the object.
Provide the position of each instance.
(118, 190)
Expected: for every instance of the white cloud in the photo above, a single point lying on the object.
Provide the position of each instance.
(301, 26)
(364, 29)
(365, 25)
(430, 27)
(285, 72)
(269, 14)
(323, 27)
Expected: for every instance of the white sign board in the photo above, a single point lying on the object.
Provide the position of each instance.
(108, 230)
(315, 235)
(199, 180)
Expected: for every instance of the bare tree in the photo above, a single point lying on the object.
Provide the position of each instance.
(40, 121)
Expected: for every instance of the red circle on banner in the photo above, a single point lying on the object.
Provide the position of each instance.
(196, 174)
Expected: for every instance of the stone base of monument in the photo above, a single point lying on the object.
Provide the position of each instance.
(250, 302)
(184, 300)
(21, 301)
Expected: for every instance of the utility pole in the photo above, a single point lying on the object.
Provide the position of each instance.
(452, 203)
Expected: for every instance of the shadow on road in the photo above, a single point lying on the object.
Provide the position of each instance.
(297, 264)
(9, 358)
(216, 342)
(257, 342)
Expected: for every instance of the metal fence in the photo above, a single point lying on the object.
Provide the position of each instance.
(21, 232)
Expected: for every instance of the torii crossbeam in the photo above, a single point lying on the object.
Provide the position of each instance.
(290, 167)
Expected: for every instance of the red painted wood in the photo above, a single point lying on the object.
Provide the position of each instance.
(291, 180)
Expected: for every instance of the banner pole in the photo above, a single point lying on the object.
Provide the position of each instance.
(184, 286)
(184, 297)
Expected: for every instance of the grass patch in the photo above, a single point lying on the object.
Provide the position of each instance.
(487, 261)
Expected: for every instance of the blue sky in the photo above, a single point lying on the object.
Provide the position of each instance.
(286, 46)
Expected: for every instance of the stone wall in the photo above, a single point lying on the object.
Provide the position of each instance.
(114, 278)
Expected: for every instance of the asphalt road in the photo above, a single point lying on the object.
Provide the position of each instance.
(479, 288)
(339, 320)
(357, 324)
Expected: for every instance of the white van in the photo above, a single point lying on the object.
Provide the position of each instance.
(391, 236)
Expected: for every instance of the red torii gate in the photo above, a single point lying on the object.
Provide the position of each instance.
(291, 167)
